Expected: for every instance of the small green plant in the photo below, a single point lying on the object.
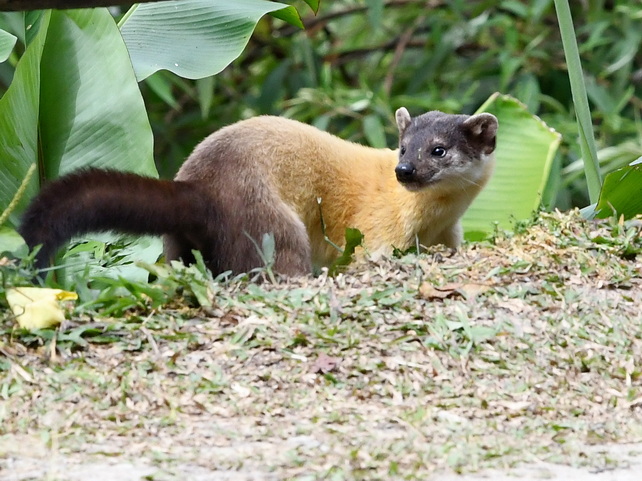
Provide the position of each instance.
(354, 239)
(267, 253)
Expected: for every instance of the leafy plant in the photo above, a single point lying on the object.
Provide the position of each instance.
(354, 239)
(63, 89)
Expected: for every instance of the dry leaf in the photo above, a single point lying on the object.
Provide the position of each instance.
(325, 363)
(429, 292)
(470, 291)
(515, 406)
(241, 391)
(515, 306)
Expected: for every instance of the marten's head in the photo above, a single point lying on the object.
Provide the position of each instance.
(445, 149)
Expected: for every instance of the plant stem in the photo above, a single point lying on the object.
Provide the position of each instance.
(580, 100)
(18, 195)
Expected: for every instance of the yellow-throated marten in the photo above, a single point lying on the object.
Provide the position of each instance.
(265, 175)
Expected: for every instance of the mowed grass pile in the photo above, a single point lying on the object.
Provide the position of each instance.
(523, 348)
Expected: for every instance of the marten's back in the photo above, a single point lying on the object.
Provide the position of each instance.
(247, 162)
(295, 156)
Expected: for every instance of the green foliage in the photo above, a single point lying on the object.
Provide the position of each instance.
(73, 102)
(289, 15)
(267, 253)
(106, 255)
(313, 4)
(609, 158)
(91, 110)
(619, 237)
(19, 127)
(11, 243)
(4, 216)
(621, 194)
(59, 112)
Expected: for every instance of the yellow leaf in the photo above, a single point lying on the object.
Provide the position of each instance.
(38, 307)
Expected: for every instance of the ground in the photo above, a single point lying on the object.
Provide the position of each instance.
(515, 357)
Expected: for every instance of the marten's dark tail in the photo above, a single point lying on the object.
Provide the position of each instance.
(97, 200)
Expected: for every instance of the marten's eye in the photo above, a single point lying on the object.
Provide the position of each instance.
(438, 151)
(402, 150)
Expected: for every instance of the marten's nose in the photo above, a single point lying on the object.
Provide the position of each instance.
(405, 171)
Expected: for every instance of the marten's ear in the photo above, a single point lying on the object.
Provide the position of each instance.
(403, 119)
(482, 129)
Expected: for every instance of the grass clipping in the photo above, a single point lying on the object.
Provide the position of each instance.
(522, 349)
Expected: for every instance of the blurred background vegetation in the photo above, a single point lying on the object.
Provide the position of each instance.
(354, 65)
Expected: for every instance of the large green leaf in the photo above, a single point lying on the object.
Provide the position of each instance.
(192, 38)
(92, 112)
(525, 150)
(13, 22)
(75, 87)
(74, 102)
(621, 193)
(19, 124)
